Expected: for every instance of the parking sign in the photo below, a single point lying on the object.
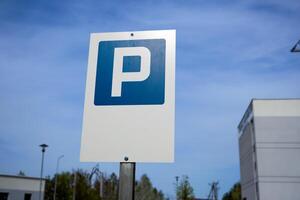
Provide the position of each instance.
(130, 98)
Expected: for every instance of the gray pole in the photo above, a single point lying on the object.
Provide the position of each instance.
(101, 185)
(74, 189)
(176, 178)
(127, 181)
(55, 185)
(41, 176)
(44, 146)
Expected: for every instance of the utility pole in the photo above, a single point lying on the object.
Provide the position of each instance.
(101, 185)
(213, 194)
(43, 146)
(74, 185)
(57, 165)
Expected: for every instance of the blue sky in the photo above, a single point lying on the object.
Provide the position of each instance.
(227, 53)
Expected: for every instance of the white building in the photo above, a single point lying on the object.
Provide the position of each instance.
(269, 147)
(20, 187)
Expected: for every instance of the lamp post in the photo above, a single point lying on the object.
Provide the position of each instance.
(74, 186)
(43, 146)
(296, 47)
(177, 179)
(55, 185)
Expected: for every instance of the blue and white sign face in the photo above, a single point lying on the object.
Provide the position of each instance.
(130, 98)
(130, 72)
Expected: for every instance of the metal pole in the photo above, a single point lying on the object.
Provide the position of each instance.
(101, 185)
(55, 185)
(127, 181)
(41, 176)
(44, 146)
(74, 189)
(177, 178)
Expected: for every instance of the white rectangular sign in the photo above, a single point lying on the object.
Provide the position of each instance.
(130, 98)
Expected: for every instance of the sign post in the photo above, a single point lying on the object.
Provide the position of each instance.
(127, 181)
(129, 109)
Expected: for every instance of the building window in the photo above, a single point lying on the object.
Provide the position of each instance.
(27, 196)
(4, 195)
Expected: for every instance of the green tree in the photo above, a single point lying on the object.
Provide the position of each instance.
(64, 186)
(63, 189)
(84, 191)
(184, 191)
(88, 189)
(49, 188)
(110, 187)
(145, 191)
(234, 193)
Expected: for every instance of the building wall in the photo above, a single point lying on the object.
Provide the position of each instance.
(19, 194)
(279, 190)
(17, 187)
(276, 129)
(278, 156)
(247, 160)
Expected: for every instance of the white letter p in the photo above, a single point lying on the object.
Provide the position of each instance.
(119, 76)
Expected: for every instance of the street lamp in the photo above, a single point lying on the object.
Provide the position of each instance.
(43, 146)
(177, 179)
(57, 165)
(296, 47)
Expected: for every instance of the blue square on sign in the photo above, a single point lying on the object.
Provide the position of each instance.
(131, 63)
(130, 72)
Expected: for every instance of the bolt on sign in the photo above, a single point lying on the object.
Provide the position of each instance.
(129, 105)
